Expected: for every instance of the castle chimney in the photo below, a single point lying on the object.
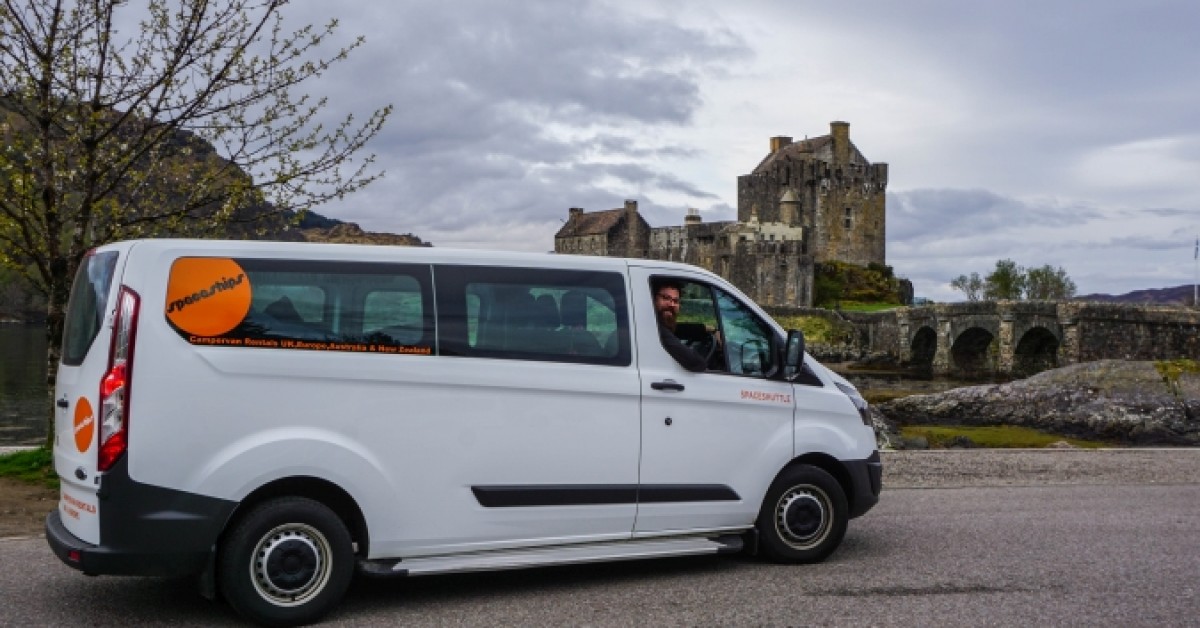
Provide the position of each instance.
(632, 229)
(841, 141)
(573, 213)
(692, 217)
(779, 141)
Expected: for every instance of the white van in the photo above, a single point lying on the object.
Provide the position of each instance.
(272, 416)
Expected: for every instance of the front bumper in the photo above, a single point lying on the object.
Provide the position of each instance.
(866, 480)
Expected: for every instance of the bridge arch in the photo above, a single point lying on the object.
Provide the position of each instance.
(923, 349)
(973, 354)
(1036, 351)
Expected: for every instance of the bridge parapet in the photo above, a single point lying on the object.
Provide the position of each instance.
(1019, 338)
(1095, 331)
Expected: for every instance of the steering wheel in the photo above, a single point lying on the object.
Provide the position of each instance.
(706, 346)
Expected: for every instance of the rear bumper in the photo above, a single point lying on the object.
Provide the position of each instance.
(145, 530)
(95, 560)
(866, 477)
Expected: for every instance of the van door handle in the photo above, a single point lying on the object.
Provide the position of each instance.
(669, 384)
(62, 403)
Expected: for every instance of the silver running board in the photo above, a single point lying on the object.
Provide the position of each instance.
(559, 555)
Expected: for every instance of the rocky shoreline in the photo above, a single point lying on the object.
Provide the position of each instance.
(1127, 402)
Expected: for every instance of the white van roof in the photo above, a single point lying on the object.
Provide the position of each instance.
(384, 253)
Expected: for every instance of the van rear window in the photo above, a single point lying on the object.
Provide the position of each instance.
(86, 306)
(284, 304)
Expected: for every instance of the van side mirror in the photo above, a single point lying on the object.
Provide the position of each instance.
(754, 357)
(793, 354)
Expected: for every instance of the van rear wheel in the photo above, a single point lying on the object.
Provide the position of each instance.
(287, 562)
(803, 517)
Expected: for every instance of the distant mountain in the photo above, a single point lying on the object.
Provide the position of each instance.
(1179, 295)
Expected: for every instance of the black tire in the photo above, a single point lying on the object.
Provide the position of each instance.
(803, 516)
(286, 563)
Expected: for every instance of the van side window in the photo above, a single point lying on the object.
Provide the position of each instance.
(533, 314)
(288, 302)
(706, 313)
(337, 306)
(747, 339)
(396, 311)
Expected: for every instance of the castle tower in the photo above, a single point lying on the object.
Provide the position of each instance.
(789, 209)
(840, 132)
(825, 185)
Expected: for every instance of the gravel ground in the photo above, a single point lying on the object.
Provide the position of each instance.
(945, 468)
(23, 507)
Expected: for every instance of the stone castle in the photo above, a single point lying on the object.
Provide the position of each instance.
(807, 202)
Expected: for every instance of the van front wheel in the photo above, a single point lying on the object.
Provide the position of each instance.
(803, 517)
(287, 562)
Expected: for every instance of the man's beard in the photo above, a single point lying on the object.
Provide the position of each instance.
(668, 319)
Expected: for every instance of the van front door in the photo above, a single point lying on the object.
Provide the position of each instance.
(712, 441)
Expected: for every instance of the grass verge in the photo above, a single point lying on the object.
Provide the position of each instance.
(35, 466)
(991, 437)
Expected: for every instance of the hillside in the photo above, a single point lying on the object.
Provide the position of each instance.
(351, 233)
(188, 154)
(1178, 295)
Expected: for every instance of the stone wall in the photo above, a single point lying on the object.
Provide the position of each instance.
(1094, 331)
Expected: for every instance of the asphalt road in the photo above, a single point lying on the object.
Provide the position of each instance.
(1111, 555)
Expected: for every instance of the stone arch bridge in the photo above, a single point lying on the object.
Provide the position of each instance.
(1019, 338)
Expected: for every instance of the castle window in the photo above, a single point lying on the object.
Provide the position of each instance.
(849, 221)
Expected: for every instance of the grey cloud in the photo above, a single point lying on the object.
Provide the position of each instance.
(626, 146)
(480, 87)
(1170, 212)
(1149, 244)
(934, 214)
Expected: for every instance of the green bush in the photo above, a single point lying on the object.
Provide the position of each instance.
(836, 283)
(35, 466)
(991, 436)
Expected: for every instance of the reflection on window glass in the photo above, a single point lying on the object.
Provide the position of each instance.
(338, 306)
(747, 339)
(533, 314)
(288, 303)
(539, 319)
(85, 309)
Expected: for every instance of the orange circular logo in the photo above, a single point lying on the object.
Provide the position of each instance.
(207, 296)
(85, 424)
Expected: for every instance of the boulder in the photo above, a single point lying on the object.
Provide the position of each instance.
(1123, 401)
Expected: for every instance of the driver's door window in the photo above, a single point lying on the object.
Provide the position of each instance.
(698, 322)
(747, 338)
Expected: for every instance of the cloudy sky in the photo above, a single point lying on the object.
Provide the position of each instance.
(1061, 132)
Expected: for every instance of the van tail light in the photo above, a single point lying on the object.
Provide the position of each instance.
(114, 388)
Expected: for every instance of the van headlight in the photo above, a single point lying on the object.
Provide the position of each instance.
(860, 404)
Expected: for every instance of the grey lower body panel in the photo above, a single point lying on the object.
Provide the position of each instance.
(145, 530)
(525, 558)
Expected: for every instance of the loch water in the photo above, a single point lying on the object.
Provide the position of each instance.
(24, 402)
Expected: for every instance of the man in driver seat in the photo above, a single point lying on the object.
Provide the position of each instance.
(667, 293)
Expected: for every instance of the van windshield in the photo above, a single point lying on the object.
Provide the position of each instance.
(85, 310)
